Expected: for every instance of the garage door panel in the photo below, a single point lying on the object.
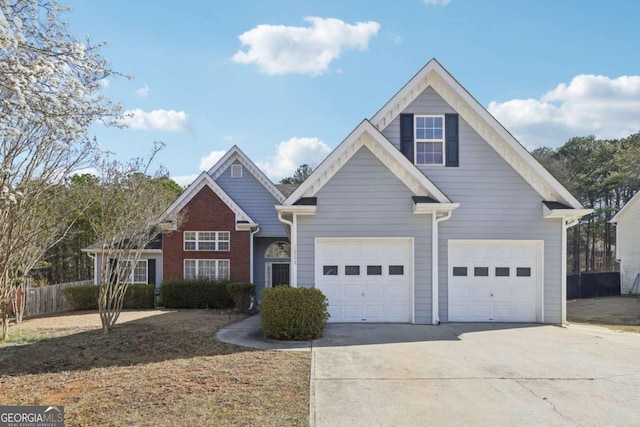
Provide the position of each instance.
(370, 295)
(494, 280)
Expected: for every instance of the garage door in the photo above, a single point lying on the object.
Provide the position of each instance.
(366, 280)
(495, 281)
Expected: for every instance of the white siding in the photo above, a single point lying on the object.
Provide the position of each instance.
(629, 246)
(495, 203)
(364, 199)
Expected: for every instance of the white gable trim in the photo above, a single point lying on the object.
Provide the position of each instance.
(366, 135)
(204, 180)
(435, 76)
(236, 154)
(625, 208)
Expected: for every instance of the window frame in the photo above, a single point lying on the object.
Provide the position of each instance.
(217, 267)
(196, 241)
(417, 140)
(123, 266)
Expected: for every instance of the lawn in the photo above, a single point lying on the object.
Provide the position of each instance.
(620, 312)
(156, 368)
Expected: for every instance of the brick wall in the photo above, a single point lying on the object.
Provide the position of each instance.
(206, 212)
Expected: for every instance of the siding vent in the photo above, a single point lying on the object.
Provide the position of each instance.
(236, 171)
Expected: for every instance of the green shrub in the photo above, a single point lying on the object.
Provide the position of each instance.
(241, 293)
(138, 296)
(296, 314)
(179, 293)
(82, 297)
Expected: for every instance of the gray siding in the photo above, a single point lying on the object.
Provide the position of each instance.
(254, 199)
(495, 203)
(158, 257)
(629, 246)
(364, 199)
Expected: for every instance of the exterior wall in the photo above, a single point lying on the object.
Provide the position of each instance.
(254, 199)
(97, 265)
(629, 246)
(495, 203)
(260, 246)
(365, 199)
(206, 212)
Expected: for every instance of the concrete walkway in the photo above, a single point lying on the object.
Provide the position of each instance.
(465, 374)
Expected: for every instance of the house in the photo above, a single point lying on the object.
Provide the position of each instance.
(627, 222)
(431, 211)
(428, 212)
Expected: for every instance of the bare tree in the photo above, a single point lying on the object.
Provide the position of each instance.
(50, 93)
(126, 208)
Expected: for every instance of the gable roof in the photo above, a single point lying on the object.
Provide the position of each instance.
(204, 180)
(626, 208)
(435, 76)
(235, 153)
(366, 135)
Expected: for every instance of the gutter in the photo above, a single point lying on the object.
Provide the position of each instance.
(253, 233)
(293, 271)
(435, 240)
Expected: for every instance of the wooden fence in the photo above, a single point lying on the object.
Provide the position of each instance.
(50, 299)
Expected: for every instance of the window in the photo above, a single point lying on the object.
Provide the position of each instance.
(236, 171)
(396, 270)
(278, 250)
(502, 271)
(459, 271)
(129, 274)
(213, 269)
(523, 272)
(330, 270)
(374, 270)
(206, 240)
(481, 271)
(352, 270)
(429, 139)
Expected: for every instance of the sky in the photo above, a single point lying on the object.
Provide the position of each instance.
(288, 80)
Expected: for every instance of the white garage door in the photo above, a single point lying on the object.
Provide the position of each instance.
(366, 280)
(495, 281)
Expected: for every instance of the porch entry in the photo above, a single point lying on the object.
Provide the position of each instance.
(277, 274)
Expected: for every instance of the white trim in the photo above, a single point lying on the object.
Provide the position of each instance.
(564, 213)
(297, 209)
(366, 135)
(268, 272)
(204, 180)
(539, 267)
(563, 275)
(435, 76)
(235, 153)
(197, 241)
(429, 208)
(412, 277)
(625, 208)
(417, 140)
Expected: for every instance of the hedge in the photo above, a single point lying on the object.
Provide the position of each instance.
(241, 293)
(138, 296)
(296, 314)
(180, 293)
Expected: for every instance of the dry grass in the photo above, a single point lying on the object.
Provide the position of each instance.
(157, 368)
(620, 312)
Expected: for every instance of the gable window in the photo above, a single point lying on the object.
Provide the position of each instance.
(206, 240)
(132, 274)
(429, 140)
(212, 269)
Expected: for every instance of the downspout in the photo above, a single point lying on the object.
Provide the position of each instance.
(566, 224)
(435, 315)
(253, 233)
(293, 270)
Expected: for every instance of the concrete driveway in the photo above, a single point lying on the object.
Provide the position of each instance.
(474, 374)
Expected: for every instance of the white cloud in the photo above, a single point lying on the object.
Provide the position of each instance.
(143, 91)
(104, 83)
(90, 171)
(278, 49)
(291, 154)
(162, 120)
(589, 105)
(184, 180)
(208, 161)
(436, 2)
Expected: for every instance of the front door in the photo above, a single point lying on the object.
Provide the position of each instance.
(279, 275)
